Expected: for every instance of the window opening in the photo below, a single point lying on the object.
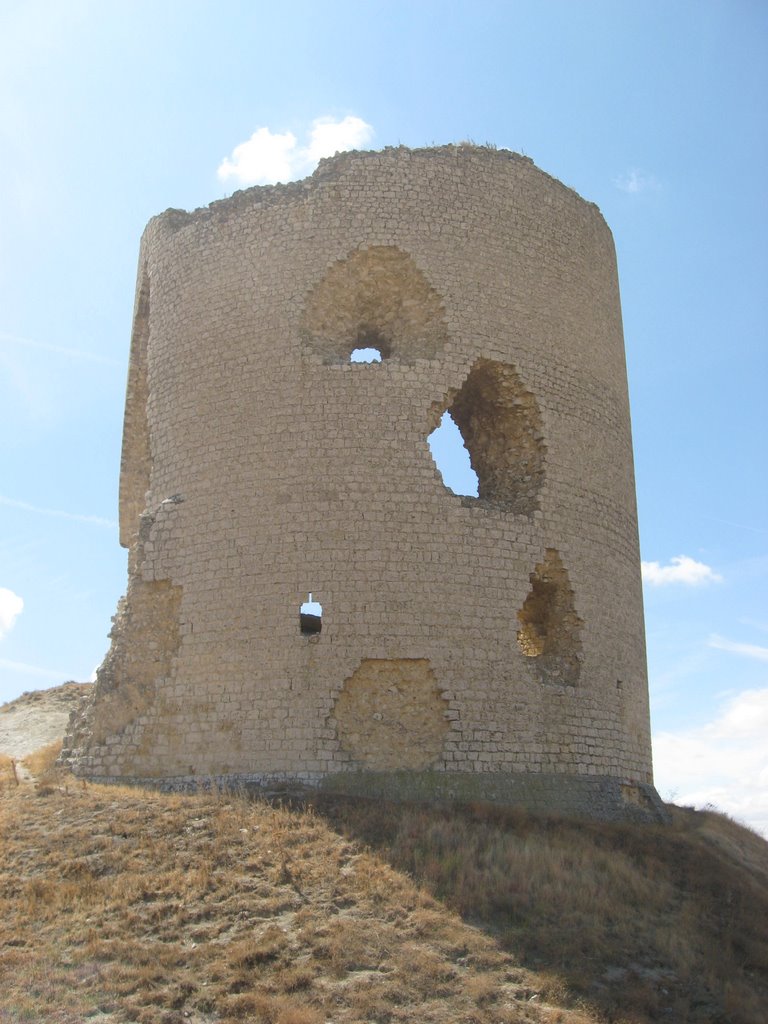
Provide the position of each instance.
(451, 457)
(365, 355)
(310, 617)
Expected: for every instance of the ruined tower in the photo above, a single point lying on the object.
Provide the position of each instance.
(485, 647)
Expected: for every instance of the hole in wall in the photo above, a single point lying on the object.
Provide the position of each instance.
(451, 457)
(549, 626)
(365, 355)
(310, 617)
(500, 425)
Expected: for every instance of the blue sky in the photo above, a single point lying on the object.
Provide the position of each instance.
(112, 112)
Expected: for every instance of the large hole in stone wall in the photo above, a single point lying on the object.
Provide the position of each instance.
(500, 425)
(549, 626)
(391, 715)
(376, 298)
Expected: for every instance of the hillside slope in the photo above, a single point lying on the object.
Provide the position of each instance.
(121, 905)
(38, 717)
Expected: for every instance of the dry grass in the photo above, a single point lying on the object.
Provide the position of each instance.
(158, 909)
(120, 905)
(640, 923)
(42, 765)
(9, 777)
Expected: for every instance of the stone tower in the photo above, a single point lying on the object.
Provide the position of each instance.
(485, 647)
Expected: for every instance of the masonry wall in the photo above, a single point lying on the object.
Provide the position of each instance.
(466, 642)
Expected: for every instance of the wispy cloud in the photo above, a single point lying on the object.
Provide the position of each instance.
(748, 650)
(739, 526)
(755, 624)
(60, 350)
(58, 513)
(635, 181)
(11, 607)
(724, 762)
(268, 157)
(33, 670)
(681, 569)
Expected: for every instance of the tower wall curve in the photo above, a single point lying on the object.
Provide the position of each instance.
(484, 647)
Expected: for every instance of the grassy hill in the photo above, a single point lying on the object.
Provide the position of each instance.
(121, 905)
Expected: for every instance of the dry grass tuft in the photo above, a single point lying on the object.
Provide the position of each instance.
(133, 907)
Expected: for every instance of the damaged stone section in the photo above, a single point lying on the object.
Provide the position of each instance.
(378, 299)
(136, 460)
(549, 631)
(145, 639)
(500, 424)
(391, 715)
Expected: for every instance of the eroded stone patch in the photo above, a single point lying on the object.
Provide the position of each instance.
(391, 715)
(136, 459)
(376, 298)
(549, 631)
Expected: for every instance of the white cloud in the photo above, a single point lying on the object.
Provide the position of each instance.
(327, 136)
(268, 157)
(749, 650)
(11, 606)
(681, 569)
(723, 763)
(635, 181)
(265, 158)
